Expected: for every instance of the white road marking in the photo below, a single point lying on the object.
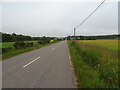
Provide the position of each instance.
(31, 62)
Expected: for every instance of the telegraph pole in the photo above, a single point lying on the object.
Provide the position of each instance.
(74, 33)
(87, 17)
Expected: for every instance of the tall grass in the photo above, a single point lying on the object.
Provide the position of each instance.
(108, 44)
(100, 61)
(86, 76)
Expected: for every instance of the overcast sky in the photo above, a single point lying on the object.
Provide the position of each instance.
(58, 18)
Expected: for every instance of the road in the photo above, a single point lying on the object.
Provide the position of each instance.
(47, 67)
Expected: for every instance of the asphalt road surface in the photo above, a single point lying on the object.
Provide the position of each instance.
(47, 67)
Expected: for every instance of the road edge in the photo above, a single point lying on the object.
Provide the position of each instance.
(72, 68)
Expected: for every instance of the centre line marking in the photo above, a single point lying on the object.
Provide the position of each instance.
(31, 62)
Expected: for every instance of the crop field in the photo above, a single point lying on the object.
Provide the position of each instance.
(109, 44)
(95, 63)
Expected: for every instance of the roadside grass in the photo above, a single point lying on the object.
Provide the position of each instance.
(12, 52)
(86, 76)
(94, 66)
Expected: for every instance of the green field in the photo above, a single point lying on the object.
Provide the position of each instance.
(9, 44)
(95, 63)
(109, 44)
(13, 51)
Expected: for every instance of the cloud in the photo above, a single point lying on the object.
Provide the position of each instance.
(59, 19)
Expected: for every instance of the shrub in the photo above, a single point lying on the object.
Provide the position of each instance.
(19, 45)
(46, 41)
(5, 49)
(29, 44)
(41, 42)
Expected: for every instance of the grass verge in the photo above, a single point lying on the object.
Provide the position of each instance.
(93, 66)
(12, 52)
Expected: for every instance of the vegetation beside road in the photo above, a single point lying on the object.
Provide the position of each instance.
(10, 44)
(10, 49)
(14, 44)
(95, 63)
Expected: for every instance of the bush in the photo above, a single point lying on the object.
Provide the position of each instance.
(46, 41)
(41, 42)
(29, 44)
(5, 49)
(19, 45)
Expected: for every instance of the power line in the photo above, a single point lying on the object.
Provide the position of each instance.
(90, 14)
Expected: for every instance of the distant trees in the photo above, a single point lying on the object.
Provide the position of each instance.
(15, 37)
(42, 38)
(94, 37)
(6, 37)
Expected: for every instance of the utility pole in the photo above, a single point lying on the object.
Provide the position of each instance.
(88, 17)
(74, 33)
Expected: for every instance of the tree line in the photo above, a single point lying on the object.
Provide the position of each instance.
(94, 37)
(15, 37)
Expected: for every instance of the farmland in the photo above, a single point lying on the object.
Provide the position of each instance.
(108, 44)
(95, 63)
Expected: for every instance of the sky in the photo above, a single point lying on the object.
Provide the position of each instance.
(58, 19)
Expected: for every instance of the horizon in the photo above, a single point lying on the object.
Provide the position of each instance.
(62, 37)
